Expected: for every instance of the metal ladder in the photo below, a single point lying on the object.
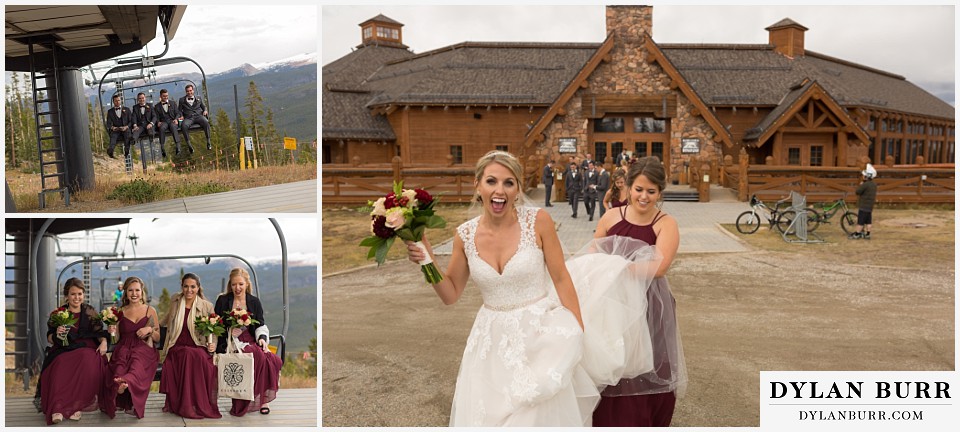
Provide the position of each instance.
(46, 113)
(18, 318)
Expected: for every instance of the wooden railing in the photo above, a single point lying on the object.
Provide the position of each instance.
(920, 184)
(357, 184)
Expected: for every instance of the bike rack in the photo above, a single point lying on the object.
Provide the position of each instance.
(797, 232)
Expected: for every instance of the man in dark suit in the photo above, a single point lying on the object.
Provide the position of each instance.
(574, 185)
(143, 118)
(586, 162)
(166, 117)
(192, 111)
(548, 181)
(603, 185)
(590, 179)
(118, 120)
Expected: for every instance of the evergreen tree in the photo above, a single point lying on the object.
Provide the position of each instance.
(163, 302)
(224, 137)
(254, 106)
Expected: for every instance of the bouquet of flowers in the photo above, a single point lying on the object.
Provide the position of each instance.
(62, 317)
(240, 318)
(209, 326)
(111, 316)
(403, 213)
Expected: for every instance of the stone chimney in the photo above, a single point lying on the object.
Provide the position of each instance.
(630, 22)
(381, 30)
(786, 37)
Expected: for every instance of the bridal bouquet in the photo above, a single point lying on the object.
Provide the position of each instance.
(111, 316)
(240, 318)
(403, 213)
(209, 326)
(62, 317)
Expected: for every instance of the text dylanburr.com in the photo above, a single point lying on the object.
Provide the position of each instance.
(857, 400)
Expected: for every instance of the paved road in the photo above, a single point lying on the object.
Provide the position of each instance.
(296, 197)
(699, 223)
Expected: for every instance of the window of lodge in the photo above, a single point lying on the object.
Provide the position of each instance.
(816, 155)
(600, 152)
(457, 152)
(609, 124)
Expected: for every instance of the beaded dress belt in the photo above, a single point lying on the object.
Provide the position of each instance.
(510, 307)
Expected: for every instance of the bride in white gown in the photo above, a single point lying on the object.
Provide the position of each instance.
(524, 363)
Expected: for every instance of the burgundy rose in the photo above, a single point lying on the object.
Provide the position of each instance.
(390, 201)
(380, 228)
(423, 197)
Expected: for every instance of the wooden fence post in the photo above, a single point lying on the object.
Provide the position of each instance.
(744, 183)
(704, 189)
(397, 169)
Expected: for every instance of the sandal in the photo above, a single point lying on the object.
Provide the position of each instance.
(56, 418)
(265, 410)
(76, 416)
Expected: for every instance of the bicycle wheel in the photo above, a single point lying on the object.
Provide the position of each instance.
(848, 222)
(813, 219)
(784, 220)
(748, 222)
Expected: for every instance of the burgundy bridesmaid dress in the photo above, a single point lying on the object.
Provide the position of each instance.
(644, 410)
(135, 362)
(266, 381)
(189, 378)
(76, 380)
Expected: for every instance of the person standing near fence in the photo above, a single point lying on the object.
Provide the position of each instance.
(866, 197)
(574, 185)
(548, 182)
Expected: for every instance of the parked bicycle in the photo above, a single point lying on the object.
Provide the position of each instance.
(748, 222)
(825, 211)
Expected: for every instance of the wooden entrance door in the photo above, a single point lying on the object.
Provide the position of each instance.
(637, 134)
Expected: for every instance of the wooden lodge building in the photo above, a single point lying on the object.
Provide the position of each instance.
(777, 103)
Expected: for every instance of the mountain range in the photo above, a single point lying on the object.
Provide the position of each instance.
(302, 288)
(288, 86)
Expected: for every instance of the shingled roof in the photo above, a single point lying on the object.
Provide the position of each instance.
(473, 73)
(519, 74)
(755, 75)
(345, 94)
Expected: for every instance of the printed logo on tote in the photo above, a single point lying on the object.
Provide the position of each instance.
(233, 374)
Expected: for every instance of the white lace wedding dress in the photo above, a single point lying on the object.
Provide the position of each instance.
(522, 362)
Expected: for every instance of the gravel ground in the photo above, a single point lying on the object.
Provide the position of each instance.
(391, 349)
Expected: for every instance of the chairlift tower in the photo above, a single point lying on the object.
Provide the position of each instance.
(89, 244)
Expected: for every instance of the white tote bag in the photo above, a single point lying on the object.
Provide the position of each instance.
(235, 373)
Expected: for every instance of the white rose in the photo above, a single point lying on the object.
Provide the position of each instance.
(395, 218)
(378, 208)
(411, 195)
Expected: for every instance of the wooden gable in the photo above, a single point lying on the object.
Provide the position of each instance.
(813, 111)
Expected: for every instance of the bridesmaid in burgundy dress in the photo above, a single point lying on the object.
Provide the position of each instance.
(266, 379)
(189, 377)
(618, 195)
(134, 360)
(649, 399)
(74, 377)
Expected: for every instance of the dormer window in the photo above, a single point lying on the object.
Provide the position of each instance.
(382, 31)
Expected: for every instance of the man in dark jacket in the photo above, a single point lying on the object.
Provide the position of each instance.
(603, 185)
(574, 185)
(143, 118)
(866, 197)
(166, 116)
(548, 181)
(591, 179)
(193, 111)
(118, 120)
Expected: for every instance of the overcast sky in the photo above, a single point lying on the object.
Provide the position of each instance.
(253, 239)
(914, 41)
(223, 37)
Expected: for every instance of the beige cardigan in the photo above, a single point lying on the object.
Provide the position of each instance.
(201, 307)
